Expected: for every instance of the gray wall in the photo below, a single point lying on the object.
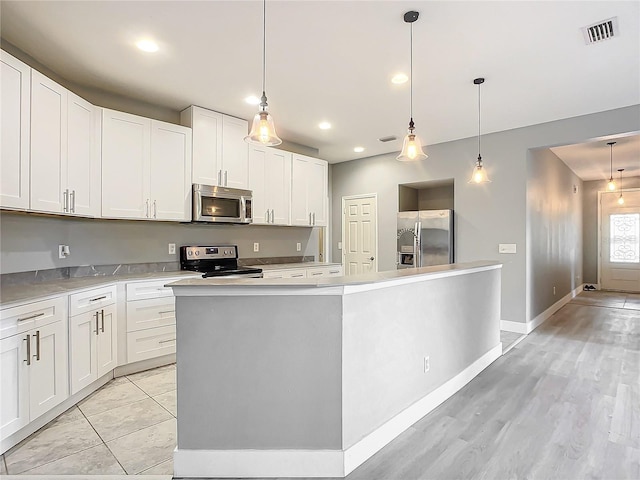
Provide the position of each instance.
(486, 215)
(407, 199)
(30, 242)
(437, 198)
(590, 224)
(554, 230)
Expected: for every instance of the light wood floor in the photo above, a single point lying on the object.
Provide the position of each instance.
(562, 404)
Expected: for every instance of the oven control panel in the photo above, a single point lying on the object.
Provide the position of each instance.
(209, 253)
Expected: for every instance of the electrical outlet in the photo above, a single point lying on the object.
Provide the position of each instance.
(63, 251)
(172, 249)
(339, 245)
(427, 364)
(256, 247)
(298, 247)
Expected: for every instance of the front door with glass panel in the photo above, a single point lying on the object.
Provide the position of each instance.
(620, 241)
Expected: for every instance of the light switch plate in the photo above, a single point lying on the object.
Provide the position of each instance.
(172, 249)
(507, 248)
(298, 247)
(256, 247)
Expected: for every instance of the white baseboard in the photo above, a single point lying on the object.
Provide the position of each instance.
(320, 463)
(531, 325)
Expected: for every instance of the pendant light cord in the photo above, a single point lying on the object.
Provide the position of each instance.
(611, 161)
(264, 44)
(479, 157)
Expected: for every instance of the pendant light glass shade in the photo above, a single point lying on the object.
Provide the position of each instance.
(411, 147)
(479, 174)
(263, 130)
(611, 186)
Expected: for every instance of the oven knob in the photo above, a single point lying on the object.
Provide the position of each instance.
(189, 252)
(197, 253)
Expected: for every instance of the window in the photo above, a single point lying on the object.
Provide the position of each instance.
(624, 245)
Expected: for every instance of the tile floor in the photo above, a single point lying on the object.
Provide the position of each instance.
(127, 427)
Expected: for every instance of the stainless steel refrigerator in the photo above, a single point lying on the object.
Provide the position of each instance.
(425, 238)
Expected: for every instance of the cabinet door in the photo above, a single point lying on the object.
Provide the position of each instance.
(83, 332)
(257, 184)
(235, 153)
(48, 375)
(48, 144)
(151, 343)
(170, 182)
(14, 393)
(206, 127)
(278, 185)
(317, 191)
(15, 112)
(83, 158)
(125, 165)
(299, 174)
(107, 340)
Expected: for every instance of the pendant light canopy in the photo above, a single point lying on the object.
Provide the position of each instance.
(411, 147)
(263, 130)
(620, 198)
(611, 186)
(479, 174)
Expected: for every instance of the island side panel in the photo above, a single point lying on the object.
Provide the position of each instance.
(259, 372)
(388, 332)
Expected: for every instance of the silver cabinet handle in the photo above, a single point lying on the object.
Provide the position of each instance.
(98, 298)
(316, 273)
(102, 315)
(65, 197)
(226, 175)
(28, 360)
(296, 275)
(267, 216)
(220, 178)
(37, 345)
(334, 271)
(310, 219)
(314, 218)
(272, 220)
(97, 328)
(167, 341)
(41, 314)
(155, 210)
(72, 196)
(146, 209)
(166, 311)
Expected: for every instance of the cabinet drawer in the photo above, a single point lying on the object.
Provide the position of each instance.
(286, 273)
(317, 272)
(16, 320)
(152, 312)
(91, 300)
(335, 271)
(153, 289)
(150, 343)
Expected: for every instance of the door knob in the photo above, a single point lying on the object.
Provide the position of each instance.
(371, 258)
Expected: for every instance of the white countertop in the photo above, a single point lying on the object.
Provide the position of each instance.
(324, 285)
(283, 266)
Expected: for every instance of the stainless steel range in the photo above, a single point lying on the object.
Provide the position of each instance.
(215, 261)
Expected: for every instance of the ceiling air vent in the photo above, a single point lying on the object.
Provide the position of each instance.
(388, 139)
(600, 31)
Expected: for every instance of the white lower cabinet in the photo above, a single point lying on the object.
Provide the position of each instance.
(93, 336)
(151, 320)
(33, 362)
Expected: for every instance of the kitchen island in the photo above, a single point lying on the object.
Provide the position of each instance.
(282, 378)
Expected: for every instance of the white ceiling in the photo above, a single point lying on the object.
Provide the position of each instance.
(333, 60)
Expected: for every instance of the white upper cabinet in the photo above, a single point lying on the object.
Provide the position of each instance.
(83, 157)
(170, 171)
(146, 168)
(206, 127)
(48, 144)
(270, 182)
(220, 154)
(235, 153)
(15, 111)
(126, 161)
(309, 189)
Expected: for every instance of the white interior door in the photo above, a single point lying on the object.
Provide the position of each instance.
(359, 227)
(620, 241)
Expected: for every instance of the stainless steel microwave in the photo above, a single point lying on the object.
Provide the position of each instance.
(221, 204)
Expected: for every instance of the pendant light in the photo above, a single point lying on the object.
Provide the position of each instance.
(620, 199)
(611, 185)
(479, 174)
(411, 147)
(263, 131)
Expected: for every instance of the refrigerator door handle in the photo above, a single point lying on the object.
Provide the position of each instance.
(417, 256)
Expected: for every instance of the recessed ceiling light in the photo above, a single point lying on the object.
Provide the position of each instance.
(147, 46)
(399, 78)
(252, 100)
(324, 125)
(358, 149)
